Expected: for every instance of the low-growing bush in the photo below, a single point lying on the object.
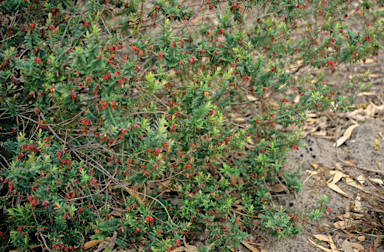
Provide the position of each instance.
(154, 119)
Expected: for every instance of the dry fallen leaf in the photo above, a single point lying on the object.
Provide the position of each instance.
(321, 237)
(251, 98)
(187, 247)
(345, 223)
(366, 93)
(239, 207)
(337, 177)
(370, 110)
(91, 244)
(250, 247)
(231, 249)
(348, 215)
(339, 165)
(118, 212)
(338, 190)
(350, 162)
(108, 243)
(323, 171)
(357, 246)
(333, 246)
(347, 134)
(361, 179)
(368, 61)
(377, 242)
(29, 248)
(358, 207)
(353, 183)
(355, 112)
(125, 186)
(277, 188)
(346, 246)
(319, 246)
(377, 181)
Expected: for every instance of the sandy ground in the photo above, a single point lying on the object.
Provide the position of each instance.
(359, 149)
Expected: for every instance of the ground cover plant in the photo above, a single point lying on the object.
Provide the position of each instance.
(150, 120)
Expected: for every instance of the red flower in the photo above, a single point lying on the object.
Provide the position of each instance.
(273, 69)
(35, 49)
(146, 173)
(111, 49)
(178, 242)
(73, 96)
(206, 94)
(94, 182)
(31, 26)
(38, 60)
(161, 55)
(45, 203)
(192, 60)
(88, 79)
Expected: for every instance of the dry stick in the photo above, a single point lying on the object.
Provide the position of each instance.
(62, 38)
(110, 176)
(5, 160)
(105, 26)
(74, 151)
(212, 244)
(345, 163)
(56, 107)
(134, 192)
(247, 215)
(41, 235)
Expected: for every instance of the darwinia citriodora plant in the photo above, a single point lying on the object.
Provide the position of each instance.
(150, 119)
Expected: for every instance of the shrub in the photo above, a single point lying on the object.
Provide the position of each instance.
(156, 120)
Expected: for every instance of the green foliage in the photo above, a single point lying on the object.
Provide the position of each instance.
(120, 118)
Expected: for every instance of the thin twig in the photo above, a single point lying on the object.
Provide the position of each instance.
(5, 160)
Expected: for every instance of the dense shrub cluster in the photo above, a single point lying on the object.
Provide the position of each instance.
(154, 118)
